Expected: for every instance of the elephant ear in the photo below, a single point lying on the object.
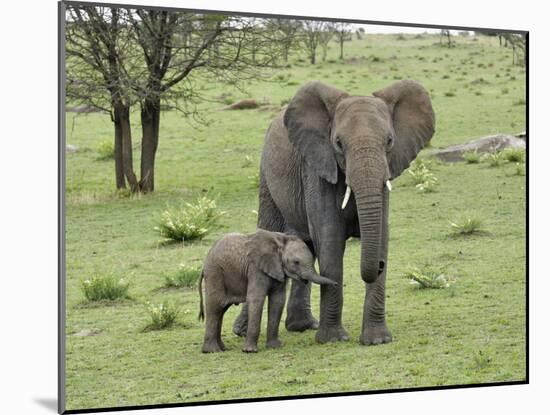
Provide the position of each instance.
(308, 118)
(264, 250)
(413, 122)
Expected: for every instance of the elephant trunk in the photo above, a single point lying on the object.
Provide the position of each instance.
(367, 177)
(317, 279)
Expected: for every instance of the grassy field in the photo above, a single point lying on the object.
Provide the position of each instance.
(472, 332)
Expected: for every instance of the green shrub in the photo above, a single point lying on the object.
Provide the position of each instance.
(190, 222)
(450, 94)
(514, 155)
(467, 225)
(162, 315)
(185, 276)
(494, 159)
(105, 287)
(423, 179)
(105, 150)
(471, 157)
(429, 277)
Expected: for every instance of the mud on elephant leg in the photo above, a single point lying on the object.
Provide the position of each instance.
(298, 311)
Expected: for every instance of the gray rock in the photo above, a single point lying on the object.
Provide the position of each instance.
(487, 144)
(70, 148)
(87, 332)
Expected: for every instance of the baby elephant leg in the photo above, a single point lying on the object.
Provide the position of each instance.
(274, 313)
(255, 306)
(212, 336)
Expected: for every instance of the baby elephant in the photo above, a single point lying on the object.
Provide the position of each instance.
(241, 268)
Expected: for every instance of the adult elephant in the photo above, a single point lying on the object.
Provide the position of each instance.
(324, 176)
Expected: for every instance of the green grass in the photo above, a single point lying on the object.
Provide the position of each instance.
(438, 334)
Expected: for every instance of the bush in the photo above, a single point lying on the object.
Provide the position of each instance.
(423, 179)
(105, 150)
(186, 276)
(471, 157)
(105, 287)
(466, 226)
(429, 277)
(162, 315)
(190, 222)
(494, 159)
(514, 155)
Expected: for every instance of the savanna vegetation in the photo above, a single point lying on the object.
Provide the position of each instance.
(464, 235)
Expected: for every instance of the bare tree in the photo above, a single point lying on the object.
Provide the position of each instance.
(161, 51)
(325, 35)
(445, 33)
(289, 28)
(518, 43)
(96, 41)
(343, 33)
(312, 32)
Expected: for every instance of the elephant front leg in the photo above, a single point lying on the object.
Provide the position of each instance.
(274, 312)
(375, 330)
(332, 299)
(255, 308)
(298, 310)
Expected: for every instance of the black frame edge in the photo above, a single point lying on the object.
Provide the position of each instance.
(61, 301)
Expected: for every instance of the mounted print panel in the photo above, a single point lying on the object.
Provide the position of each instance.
(258, 207)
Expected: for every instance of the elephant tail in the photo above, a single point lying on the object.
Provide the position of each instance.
(201, 306)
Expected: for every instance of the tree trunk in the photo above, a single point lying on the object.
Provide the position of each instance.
(150, 121)
(342, 49)
(119, 164)
(123, 113)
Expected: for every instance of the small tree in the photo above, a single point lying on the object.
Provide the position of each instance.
(312, 32)
(325, 35)
(97, 64)
(289, 28)
(518, 43)
(445, 33)
(343, 33)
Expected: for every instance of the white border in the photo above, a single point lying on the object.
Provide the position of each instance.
(28, 221)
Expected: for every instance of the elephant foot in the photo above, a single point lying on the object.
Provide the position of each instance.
(240, 326)
(331, 334)
(273, 344)
(250, 348)
(212, 347)
(374, 335)
(301, 323)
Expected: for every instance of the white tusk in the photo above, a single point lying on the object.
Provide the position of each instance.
(346, 197)
(388, 185)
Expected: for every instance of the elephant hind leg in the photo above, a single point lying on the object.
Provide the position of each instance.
(212, 335)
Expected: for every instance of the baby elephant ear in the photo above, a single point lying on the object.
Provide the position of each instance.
(264, 251)
(413, 121)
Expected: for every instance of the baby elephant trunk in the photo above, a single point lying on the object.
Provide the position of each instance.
(318, 279)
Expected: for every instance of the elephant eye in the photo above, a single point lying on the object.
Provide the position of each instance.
(296, 262)
(390, 141)
(338, 144)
